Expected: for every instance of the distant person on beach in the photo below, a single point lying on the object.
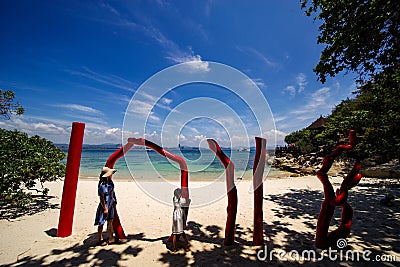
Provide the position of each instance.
(105, 210)
(178, 219)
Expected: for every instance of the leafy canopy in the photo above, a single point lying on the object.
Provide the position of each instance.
(26, 161)
(360, 35)
(7, 105)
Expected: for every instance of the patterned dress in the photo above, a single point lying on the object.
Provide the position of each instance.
(107, 189)
(178, 218)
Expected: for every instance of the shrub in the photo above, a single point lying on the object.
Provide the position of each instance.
(25, 162)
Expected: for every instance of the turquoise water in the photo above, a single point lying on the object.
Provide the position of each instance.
(142, 164)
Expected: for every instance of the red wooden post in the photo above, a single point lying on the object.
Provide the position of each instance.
(258, 172)
(231, 192)
(66, 218)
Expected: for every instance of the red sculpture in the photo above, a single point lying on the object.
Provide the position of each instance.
(258, 171)
(173, 157)
(230, 189)
(143, 142)
(323, 239)
(118, 230)
(67, 210)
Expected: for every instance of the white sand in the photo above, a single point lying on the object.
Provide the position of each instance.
(290, 212)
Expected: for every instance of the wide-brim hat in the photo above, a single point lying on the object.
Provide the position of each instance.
(107, 172)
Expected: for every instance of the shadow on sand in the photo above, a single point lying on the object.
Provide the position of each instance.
(38, 203)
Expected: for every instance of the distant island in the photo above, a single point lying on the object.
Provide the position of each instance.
(93, 147)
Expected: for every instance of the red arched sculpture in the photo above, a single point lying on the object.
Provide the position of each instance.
(143, 142)
(323, 239)
(230, 189)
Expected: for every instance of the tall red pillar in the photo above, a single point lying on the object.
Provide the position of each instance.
(66, 218)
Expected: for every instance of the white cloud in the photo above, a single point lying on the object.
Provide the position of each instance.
(301, 80)
(34, 127)
(258, 55)
(59, 131)
(291, 90)
(173, 51)
(317, 100)
(193, 129)
(280, 118)
(140, 107)
(182, 138)
(108, 79)
(147, 96)
(315, 104)
(257, 81)
(46, 130)
(153, 136)
(143, 109)
(109, 8)
(277, 135)
(106, 95)
(77, 107)
(199, 137)
(113, 131)
(194, 62)
(167, 101)
(154, 117)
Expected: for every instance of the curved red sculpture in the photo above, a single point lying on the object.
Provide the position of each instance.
(143, 142)
(171, 156)
(230, 189)
(323, 239)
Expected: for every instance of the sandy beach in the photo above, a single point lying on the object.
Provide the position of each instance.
(291, 207)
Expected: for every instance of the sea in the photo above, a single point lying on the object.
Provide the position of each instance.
(146, 164)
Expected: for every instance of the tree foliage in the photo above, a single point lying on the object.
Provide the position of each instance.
(374, 114)
(8, 106)
(304, 139)
(26, 161)
(360, 35)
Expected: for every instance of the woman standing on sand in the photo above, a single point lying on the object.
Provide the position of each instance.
(178, 219)
(105, 210)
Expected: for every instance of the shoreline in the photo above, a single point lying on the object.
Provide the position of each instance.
(196, 177)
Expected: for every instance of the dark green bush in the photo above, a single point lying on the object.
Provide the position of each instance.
(25, 162)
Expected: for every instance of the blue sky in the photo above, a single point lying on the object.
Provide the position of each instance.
(85, 60)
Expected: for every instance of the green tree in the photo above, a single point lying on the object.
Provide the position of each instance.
(8, 106)
(24, 162)
(375, 116)
(379, 101)
(360, 35)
